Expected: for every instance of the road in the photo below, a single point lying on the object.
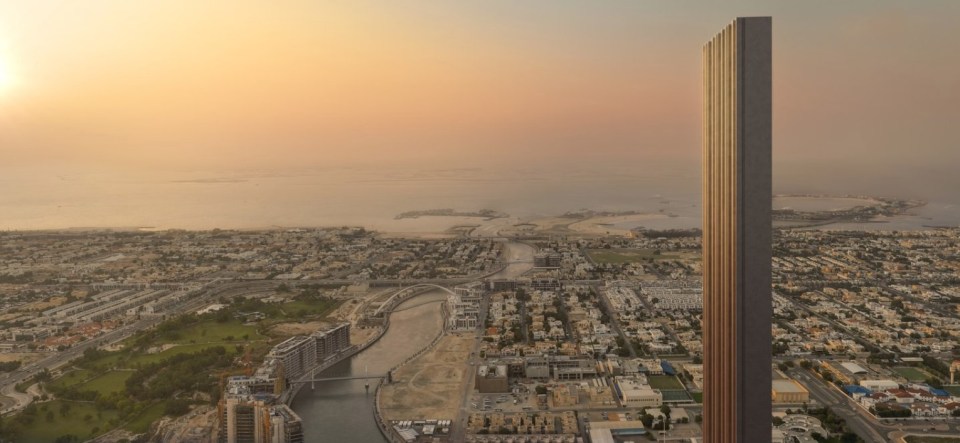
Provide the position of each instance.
(520, 259)
(859, 421)
(615, 322)
(459, 432)
(57, 359)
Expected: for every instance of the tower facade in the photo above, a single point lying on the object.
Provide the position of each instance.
(737, 231)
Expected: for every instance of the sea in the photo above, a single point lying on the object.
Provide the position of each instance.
(372, 196)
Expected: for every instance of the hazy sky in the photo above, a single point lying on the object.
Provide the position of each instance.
(865, 92)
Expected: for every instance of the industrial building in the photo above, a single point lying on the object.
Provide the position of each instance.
(632, 393)
(492, 379)
(114, 303)
(617, 431)
(879, 385)
(789, 391)
(547, 259)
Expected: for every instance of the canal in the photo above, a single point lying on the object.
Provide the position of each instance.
(342, 411)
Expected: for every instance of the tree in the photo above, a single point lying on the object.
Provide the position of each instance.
(647, 420)
(665, 409)
(850, 437)
(177, 407)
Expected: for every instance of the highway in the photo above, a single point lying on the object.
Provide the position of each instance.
(862, 422)
(57, 359)
(859, 421)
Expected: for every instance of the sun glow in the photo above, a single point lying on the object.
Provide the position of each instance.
(6, 75)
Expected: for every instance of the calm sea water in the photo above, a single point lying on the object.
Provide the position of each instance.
(368, 197)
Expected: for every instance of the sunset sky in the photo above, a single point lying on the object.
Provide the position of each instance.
(864, 89)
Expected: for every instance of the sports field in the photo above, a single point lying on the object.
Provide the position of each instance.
(675, 395)
(911, 374)
(667, 382)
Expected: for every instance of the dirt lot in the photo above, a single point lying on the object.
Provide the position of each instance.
(25, 357)
(429, 387)
(361, 335)
(296, 328)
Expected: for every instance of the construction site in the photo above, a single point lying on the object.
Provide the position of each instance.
(430, 386)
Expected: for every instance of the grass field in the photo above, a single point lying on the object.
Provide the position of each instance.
(107, 372)
(304, 308)
(180, 349)
(912, 374)
(212, 331)
(72, 378)
(955, 390)
(108, 383)
(75, 422)
(619, 256)
(665, 382)
(142, 422)
(697, 396)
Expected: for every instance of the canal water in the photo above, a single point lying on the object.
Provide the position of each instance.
(342, 411)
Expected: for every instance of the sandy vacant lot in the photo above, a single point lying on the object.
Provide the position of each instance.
(605, 225)
(431, 386)
(360, 335)
(25, 357)
(297, 328)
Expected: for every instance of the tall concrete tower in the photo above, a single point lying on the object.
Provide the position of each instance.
(737, 230)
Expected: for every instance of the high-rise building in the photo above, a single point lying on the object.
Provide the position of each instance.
(332, 341)
(250, 414)
(737, 232)
(285, 425)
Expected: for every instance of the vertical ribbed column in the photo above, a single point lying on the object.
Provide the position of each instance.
(736, 223)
